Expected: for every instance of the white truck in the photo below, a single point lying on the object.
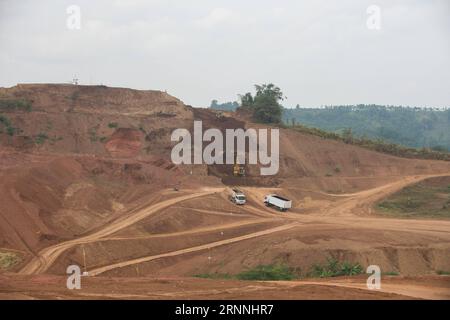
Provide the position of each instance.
(237, 196)
(273, 200)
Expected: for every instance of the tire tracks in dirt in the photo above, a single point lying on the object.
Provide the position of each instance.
(47, 256)
(191, 249)
(403, 289)
(368, 197)
(340, 213)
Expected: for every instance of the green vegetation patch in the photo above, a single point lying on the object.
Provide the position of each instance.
(443, 273)
(40, 138)
(6, 126)
(282, 272)
(422, 200)
(214, 276)
(268, 272)
(391, 273)
(413, 127)
(8, 260)
(15, 105)
(262, 273)
(334, 268)
(265, 104)
(113, 125)
(93, 134)
(378, 145)
(5, 121)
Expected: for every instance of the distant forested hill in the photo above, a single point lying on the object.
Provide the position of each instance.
(226, 106)
(413, 127)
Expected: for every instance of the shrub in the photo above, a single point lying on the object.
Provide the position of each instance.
(93, 134)
(113, 125)
(213, 276)
(334, 268)
(391, 273)
(15, 104)
(40, 138)
(268, 272)
(7, 123)
(10, 131)
(8, 260)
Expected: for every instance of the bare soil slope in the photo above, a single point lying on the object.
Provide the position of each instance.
(86, 178)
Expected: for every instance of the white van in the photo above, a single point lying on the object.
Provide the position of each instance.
(238, 197)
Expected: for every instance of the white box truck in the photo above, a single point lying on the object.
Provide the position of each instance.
(273, 200)
(237, 196)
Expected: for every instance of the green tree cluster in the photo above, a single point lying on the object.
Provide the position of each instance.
(265, 104)
(412, 127)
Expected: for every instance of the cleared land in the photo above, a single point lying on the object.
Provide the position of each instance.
(427, 199)
(107, 197)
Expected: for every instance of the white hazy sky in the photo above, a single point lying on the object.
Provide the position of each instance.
(319, 52)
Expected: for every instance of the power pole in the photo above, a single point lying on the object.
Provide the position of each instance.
(84, 260)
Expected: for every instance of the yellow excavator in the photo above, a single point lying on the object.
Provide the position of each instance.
(238, 169)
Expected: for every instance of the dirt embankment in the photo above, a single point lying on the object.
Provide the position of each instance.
(98, 120)
(319, 163)
(64, 197)
(394, 288)
(125, 123)
(88, 171)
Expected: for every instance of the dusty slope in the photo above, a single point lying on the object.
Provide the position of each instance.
(71, 162)
(64, 197)
(320, 164)
(30, 287)
(93, 119)
(407, 242)
(343, 230)
(105, 190)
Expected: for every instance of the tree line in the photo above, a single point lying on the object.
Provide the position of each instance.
(409, 126)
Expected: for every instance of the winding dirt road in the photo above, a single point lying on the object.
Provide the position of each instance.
(343, 209)
(353, 209)
(192, 249)
(47, 256)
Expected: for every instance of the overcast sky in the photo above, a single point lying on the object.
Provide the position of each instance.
(318, 52)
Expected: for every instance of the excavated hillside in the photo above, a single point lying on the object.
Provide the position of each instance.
(69, 155)
(123, 123)
(90, 166)
(94, 120)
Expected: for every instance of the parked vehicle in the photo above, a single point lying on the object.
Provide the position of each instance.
(273, 200)
(237, 196)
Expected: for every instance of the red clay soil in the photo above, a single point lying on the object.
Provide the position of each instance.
(75, 189)
(393, 288)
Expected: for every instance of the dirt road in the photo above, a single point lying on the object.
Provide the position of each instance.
(353, 209)
(192, 249)
(47, 256)
(343, 209)
(413, 290)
